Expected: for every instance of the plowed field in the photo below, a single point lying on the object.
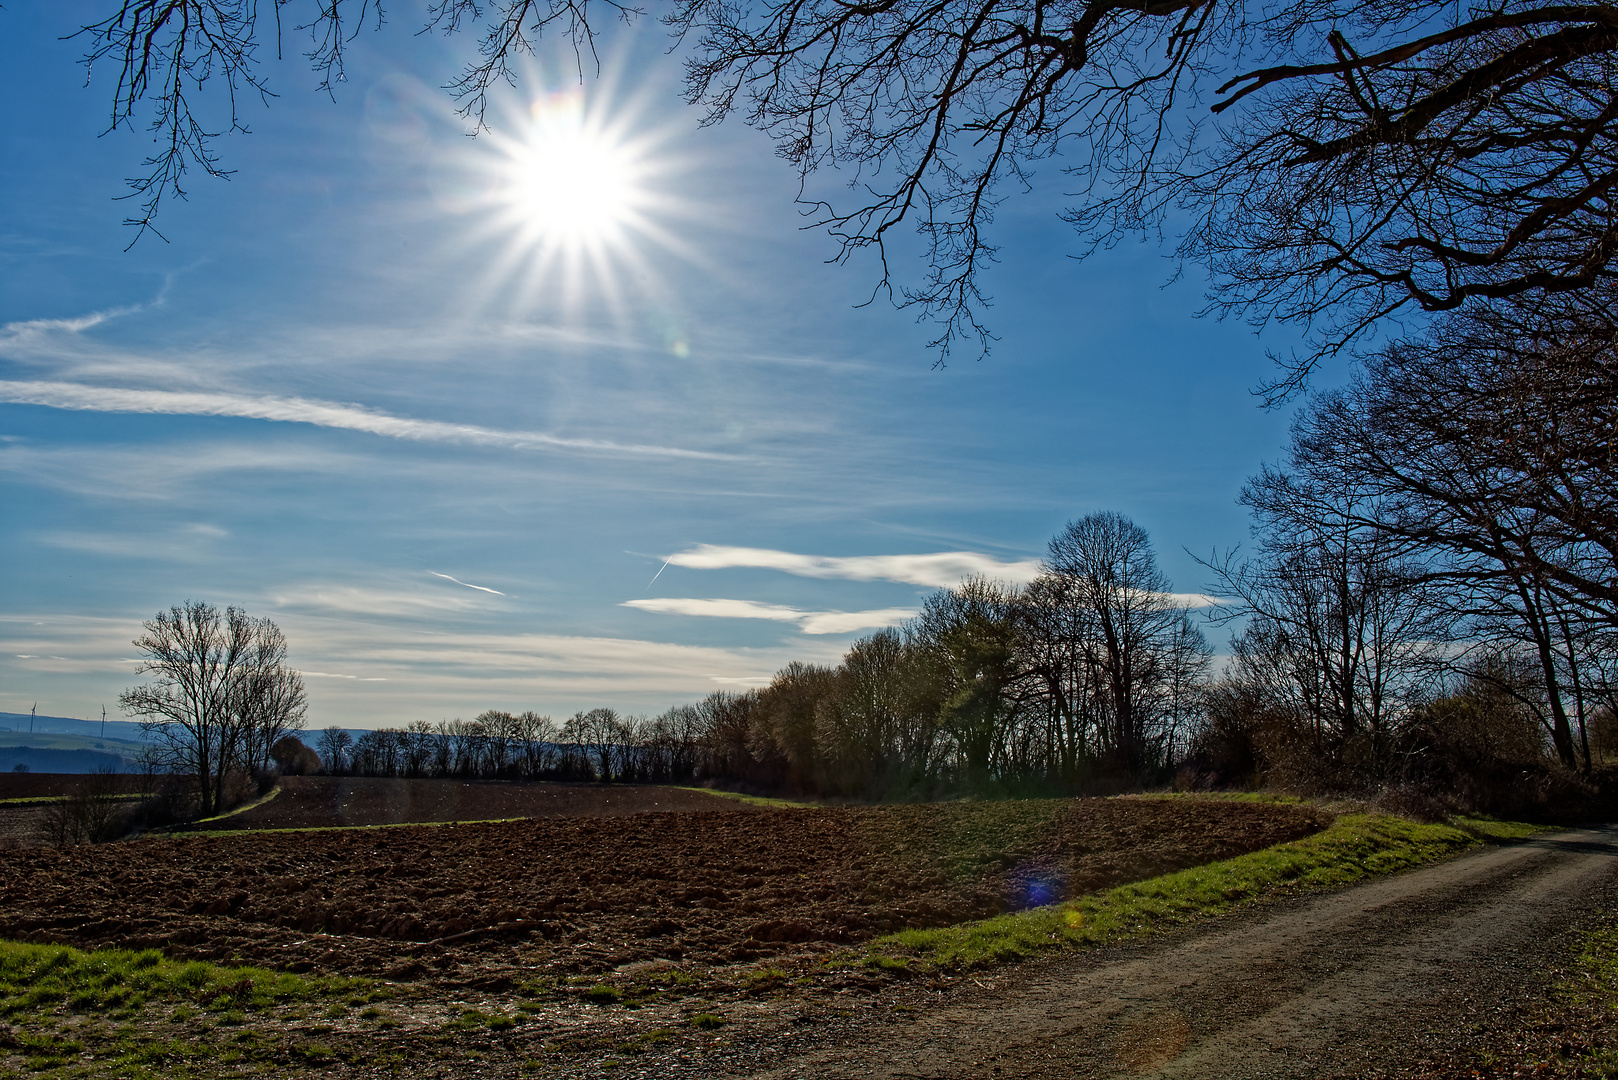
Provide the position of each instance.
(323, 801)
(487, 902)
(36, 785)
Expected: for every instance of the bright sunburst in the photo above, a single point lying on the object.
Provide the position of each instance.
(572, 183)
(572, 195)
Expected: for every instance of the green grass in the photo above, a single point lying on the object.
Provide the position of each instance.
(964, 839)
(344, 828)
(34, 978)
(1583, 1001)
(45, 800)
(751, 800)
(1355, 847)
(242, 809)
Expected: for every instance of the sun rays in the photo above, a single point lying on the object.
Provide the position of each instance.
(574, 194)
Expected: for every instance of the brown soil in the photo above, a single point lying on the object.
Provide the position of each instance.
(325, 801)
(24, 825)
(489, 903)
(48, 785)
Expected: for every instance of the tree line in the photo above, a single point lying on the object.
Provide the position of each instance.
(1428, 602)
(1092, 670)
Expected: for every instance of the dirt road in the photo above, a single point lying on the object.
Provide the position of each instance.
(1381, 979)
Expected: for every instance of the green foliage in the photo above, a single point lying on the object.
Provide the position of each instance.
(707, 1021)
(1356, 847)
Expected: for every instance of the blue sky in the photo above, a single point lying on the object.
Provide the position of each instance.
(360, 390)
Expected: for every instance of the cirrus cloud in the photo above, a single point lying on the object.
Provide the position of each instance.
(328, 414)
(810, 622)
(941, 569)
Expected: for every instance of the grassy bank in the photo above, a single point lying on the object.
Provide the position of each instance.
(44, 976)
(138, 1014)
(1354, 848)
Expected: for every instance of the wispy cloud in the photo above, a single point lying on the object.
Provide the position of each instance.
(365, 600)
(29, 331)
(468, 585)
(939, 570)
(75, 396)
(810, 622)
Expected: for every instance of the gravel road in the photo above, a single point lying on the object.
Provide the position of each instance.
(1385, 978)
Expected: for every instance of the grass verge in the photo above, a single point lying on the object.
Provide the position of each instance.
(751, 800)
(37, 977)
(1355, 847)
(137, 1015)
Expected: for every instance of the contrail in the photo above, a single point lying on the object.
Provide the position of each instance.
(657, 575)
(458, 581)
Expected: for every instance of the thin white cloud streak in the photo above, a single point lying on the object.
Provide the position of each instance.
(937, 570)
(77, 397)
(941, 570)
(468, 585)
(28, 332)
(810, 622)
(362, 600)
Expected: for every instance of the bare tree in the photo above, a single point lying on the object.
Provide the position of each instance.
(95, 812)
(599, 735)
(783, 737)
(1344, 625)
(969, 634)
(334, 748)
(1487, 445)
(270, 698)
(535, 735)
(1133, 634)
(221, 686)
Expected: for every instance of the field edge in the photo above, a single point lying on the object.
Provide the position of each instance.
(1354, 848)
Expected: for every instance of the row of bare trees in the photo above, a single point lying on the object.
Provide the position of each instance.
(596, 744)
(1093, 669)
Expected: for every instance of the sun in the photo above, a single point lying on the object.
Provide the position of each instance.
(574, 199)
(572, 184)
(569, 181)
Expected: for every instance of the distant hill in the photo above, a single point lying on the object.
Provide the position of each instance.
(61, 744)
(46, 760)
(22, 723)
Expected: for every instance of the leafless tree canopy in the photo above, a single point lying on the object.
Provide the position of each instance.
(221, 694)
(1362, 156)
(1478, 460)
